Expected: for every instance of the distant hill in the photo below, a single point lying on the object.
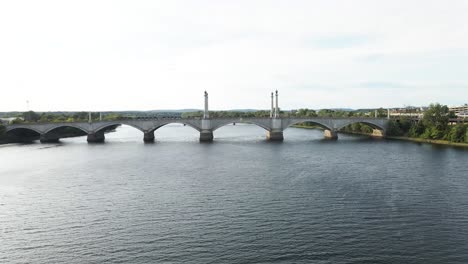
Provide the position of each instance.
(171, 111)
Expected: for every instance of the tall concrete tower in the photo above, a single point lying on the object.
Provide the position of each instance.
(206, 113)
(272, 110)
(277, 107)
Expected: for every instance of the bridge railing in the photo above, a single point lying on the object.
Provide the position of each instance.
(195, 118)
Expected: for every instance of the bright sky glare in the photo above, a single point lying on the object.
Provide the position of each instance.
(144, 55)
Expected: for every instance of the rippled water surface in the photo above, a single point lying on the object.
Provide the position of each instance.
(238, 200)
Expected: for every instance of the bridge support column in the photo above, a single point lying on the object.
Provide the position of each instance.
(97, 137)
(378, 133)
(330, 134)
(275, 135)
(148, 137)
(49, 138)
(206, 136)
(276, 132)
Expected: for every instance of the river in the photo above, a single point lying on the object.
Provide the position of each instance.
(239, 199)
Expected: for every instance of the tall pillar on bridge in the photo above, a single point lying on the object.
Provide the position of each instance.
(276, 132)
(388, 113)
(97, 137)
(206, 134)
(89, 117)
(277, 107)
(206, 113)
(272, 110)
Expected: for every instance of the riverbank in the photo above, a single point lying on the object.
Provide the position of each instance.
(431, 141)
(419, 140)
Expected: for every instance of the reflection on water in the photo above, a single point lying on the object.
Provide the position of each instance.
(240, 199)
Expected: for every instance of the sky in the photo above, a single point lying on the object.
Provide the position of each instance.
(144, 55)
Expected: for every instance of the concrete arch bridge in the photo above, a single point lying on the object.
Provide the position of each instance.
(49, 132)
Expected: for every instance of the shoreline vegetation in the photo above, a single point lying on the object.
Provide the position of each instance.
(402, 138)
(430, 141)
(434, 127)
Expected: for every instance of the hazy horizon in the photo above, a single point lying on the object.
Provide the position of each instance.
(146, 55)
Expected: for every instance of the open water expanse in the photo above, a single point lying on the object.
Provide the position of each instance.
(237, 200)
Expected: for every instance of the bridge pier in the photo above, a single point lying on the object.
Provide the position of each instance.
(330, 134)
(97, 137)
(206, 136)
(148, 137)
(49, 138)
(206, 133)
(378, 133)
(276, 131)
(275, 135)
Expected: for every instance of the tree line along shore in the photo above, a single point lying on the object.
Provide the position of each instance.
(434, 127)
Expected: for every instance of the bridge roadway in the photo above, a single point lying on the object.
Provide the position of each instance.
(206, 127)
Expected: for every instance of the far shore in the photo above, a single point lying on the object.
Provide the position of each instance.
(431, 141)
(419, 140)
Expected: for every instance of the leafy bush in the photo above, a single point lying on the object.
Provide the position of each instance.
(457, 133)
(416, 130)
(2, 129)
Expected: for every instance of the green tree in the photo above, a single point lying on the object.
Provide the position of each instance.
(80, 116)
(356, 127)
(325, 113)
(436, 120)
(17, 121)
(417, 129)
(405, 125)
(31, 116)
(2, 129)
(394, 129)
(457, 133)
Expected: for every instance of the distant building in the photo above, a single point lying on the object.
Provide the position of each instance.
(408, 111)
(460, 111)
(7, 120)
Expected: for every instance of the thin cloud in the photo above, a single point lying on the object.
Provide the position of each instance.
(340, 41)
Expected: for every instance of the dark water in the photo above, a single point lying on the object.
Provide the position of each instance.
(238, 200)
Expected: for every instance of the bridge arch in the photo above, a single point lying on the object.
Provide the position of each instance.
(225, 123)
(63, 126)
(111, 124)
(9, 130)
(158, 126)
(365, 122)
(313, 121)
